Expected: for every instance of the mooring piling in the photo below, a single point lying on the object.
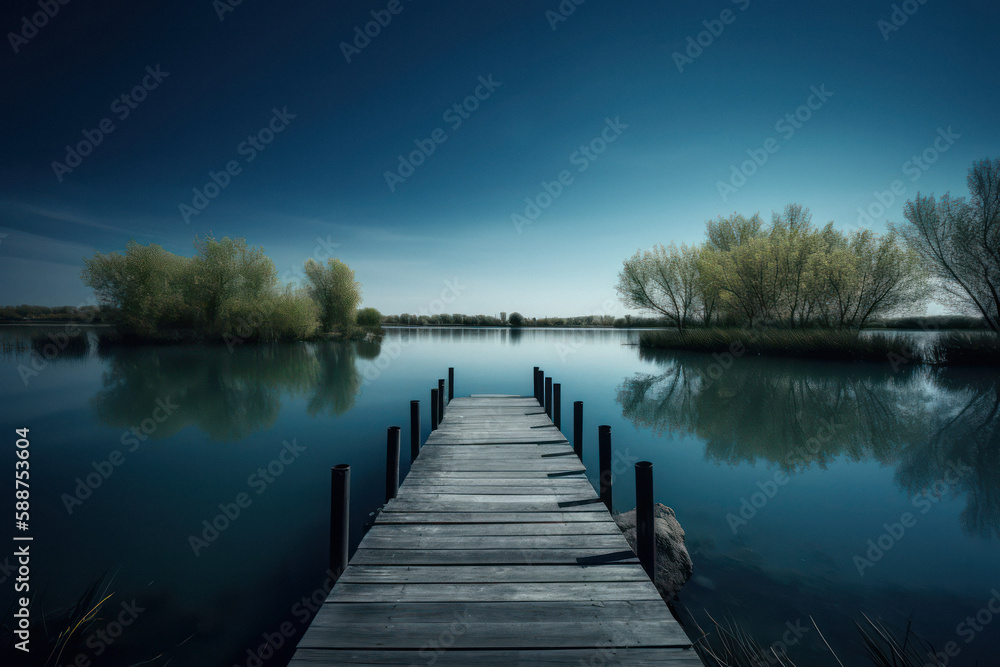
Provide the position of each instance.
(604, 458)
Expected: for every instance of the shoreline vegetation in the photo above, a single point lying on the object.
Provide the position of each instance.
(951, 348)
(963, 340)
(226, 293)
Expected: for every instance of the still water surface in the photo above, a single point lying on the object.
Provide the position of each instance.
(805, 489)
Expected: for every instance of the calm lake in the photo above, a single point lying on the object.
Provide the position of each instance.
(806, 489)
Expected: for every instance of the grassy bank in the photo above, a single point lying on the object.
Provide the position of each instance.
(966, 349)
(112, 338)
(832, 345)
(957, 348)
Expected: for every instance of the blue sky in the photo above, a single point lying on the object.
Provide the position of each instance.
(319, 187)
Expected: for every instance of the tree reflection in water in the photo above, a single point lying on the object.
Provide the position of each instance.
(227, 394)
(796, 414)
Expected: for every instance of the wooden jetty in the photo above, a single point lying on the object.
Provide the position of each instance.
(496, 551)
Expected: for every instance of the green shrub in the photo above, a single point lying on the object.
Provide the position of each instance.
(369, 317)
(516, 319)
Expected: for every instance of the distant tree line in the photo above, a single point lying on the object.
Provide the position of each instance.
(518, 320)
(226, 288)
(26, 313)
(792, 273)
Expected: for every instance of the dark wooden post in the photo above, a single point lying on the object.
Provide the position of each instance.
(557, 404)
(434, 409)
(578, 428)
(548, 397)
(534, 379)
(645, 545)
(414, 429)
(391, 463)
(451, 384)
(440, 400)
(340, 518)
(604, 456)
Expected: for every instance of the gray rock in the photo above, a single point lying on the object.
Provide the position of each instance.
(673, 563)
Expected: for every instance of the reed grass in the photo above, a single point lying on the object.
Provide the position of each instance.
(60, 345)
(729, 645)
(966, 349)
(827, 344)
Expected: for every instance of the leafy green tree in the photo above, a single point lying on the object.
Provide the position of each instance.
(959, 241)
(789, 273)
(142, 287)
(663, 280)
(516, 319)
(875, 277)
(226, 272)
(336, 291)
(369, 317)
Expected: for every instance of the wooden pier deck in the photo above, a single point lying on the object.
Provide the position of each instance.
(496, 551)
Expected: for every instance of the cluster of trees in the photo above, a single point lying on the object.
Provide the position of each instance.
(227, 288)
(795, 274)
(789, 273)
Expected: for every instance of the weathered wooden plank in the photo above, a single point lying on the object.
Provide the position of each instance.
(508, 612)
(407, 531)
(379, 541)
(389, 516)
(434, 653)
(440, 502)
(417, 481)
(497, 474)
(592, 591)
(491, 451)
(496, 634)
(418, 490)
(426, 574)
(562, 464)
(492, 557)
